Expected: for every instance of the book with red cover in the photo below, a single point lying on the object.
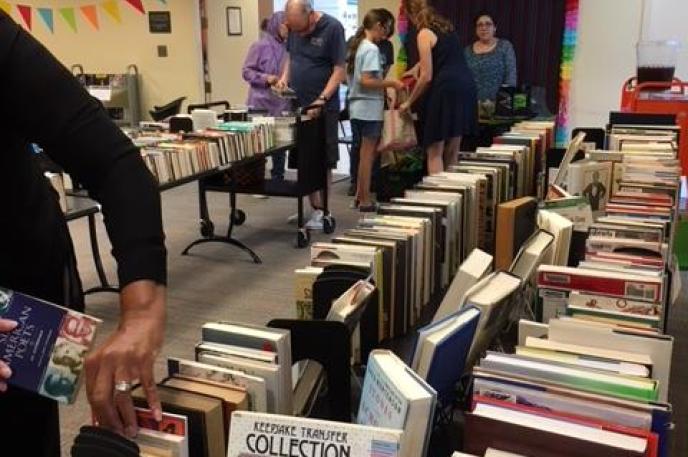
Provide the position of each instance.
(651, 437)
(604, 282)
(627, 259)
(170, 423)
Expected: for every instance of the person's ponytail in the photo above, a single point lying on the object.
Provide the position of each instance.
(354, 44)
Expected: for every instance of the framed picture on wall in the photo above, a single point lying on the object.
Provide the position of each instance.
(234, 21)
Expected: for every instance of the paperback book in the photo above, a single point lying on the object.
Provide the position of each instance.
(47, 349)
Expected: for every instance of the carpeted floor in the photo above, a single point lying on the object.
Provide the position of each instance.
(220, 282)
(215, 281)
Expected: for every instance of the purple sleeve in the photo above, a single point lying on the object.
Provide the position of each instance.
(252, 71)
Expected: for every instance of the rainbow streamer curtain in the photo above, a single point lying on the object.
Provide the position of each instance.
(402, 32)
(568, 51)
(24, 14)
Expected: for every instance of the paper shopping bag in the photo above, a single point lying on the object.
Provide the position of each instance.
(398, 132)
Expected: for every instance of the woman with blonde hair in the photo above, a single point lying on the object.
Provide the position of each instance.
(450, 107)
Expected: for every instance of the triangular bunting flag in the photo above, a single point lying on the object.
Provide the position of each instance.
(25, 12)
(138, 4)
(6, 7)
(69, 17)
(47, 15)
(111, 7)
(91, 14)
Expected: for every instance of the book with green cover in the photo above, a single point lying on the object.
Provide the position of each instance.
(589, 380)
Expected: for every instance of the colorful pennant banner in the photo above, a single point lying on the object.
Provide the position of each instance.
(112, 8)
(69, 17)
(402, 32)
(91, 14)
(137, 4)
(568, 52)
(24, 13)
(46, 14)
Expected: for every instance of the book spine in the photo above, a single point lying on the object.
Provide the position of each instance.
(649, 291)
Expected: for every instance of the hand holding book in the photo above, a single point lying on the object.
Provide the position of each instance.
(6, 326)
(128, 356)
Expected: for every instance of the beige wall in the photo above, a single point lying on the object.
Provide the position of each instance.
(605, 57)
(392, 5)
(226, 53)
(112, 48)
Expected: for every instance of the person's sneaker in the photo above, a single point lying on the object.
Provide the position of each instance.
(293, 219)
(316, 220)
(260, 196)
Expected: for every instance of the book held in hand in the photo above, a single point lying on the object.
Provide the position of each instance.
(47, 349)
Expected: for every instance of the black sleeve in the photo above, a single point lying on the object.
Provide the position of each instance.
(43, 103)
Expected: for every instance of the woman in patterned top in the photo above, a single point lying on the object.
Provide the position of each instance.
(492, 60)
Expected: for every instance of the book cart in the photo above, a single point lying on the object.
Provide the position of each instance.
(306, 155)
(667, 98)
(654, 117)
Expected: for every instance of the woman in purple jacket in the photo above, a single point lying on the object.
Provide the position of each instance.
(262, 67)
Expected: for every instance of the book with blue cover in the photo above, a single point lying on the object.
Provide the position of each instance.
(47, 349)
(394, 396)
(441, 350)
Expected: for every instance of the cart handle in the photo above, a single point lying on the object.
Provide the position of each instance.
(208, 105)
(77, 66)
(632, 84)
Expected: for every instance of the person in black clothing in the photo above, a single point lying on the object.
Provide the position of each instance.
(450, 105)
(41, 102)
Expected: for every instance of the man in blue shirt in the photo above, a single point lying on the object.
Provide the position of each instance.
(314, 69)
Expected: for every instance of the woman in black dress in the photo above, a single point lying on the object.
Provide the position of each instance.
(450, 107)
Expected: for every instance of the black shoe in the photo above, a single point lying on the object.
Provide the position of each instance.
(352, 190)
(371, 208)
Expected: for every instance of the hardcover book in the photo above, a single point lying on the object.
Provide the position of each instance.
(47, 349)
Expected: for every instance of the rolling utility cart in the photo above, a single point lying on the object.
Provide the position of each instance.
(307, 155)
(118, 92)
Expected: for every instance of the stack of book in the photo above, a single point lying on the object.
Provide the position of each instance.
(237, 367)
(171, 157)
(395, 418)
(625, 275)
(639, 138)
(414, 246)
(573, 388)
(403, 255)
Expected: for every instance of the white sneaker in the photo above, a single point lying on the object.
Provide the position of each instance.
(260, 196)
(316, 220)
(293, 219)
